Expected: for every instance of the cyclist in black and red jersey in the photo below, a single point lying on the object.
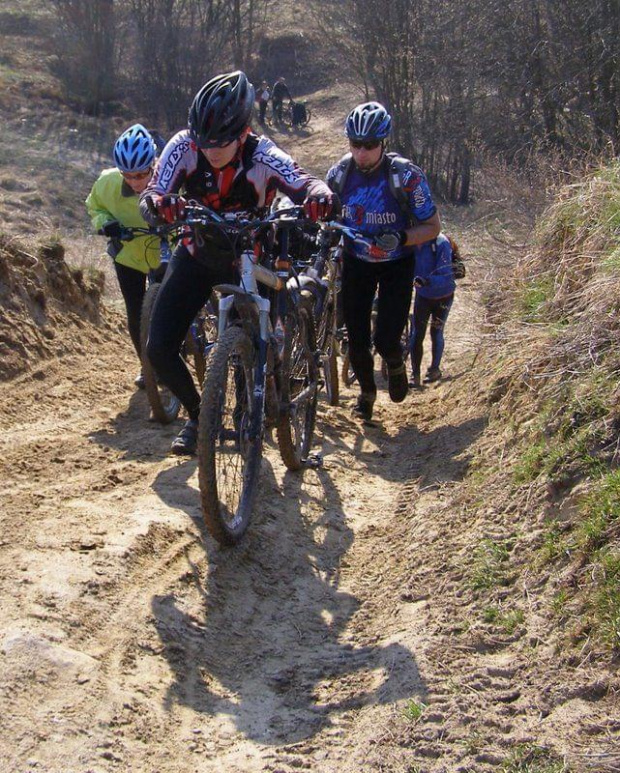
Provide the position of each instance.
(221, 163)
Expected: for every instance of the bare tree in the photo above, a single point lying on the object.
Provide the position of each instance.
(85, 50)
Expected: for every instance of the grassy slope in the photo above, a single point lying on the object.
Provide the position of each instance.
(553, 389)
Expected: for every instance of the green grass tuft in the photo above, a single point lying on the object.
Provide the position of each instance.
(490, 564)
(527, 758)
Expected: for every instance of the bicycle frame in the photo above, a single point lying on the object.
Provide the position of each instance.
(248, 304)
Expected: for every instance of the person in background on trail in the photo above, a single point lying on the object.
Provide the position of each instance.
(264, 94)
(386, 263)
(278, 93)
(113, 205)
(435, 286)
(222, 164)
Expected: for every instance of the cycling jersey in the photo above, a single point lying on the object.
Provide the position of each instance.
(112, 199)
(249, 183)
(433, 262)
(368, 204)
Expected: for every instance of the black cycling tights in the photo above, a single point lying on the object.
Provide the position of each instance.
(133, 286)
(423, 310)
(359, 285)
(184, 292)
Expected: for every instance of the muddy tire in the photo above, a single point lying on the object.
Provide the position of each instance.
(299, 394)
(229, 456)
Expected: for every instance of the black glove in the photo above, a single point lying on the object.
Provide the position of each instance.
(321, 207)
(388, 240)
(419, 281)
(113, 229)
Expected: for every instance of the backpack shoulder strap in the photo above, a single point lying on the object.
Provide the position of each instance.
(339, 178)
(398, 166)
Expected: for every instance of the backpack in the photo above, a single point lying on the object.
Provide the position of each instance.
(458, 266)
(398, 166)
(299, 113)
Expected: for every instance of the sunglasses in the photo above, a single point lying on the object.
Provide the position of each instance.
(210, 145)
(366, 144)
(136, 175)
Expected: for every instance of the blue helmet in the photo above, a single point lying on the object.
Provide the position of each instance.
(134, 150)
(369, 121)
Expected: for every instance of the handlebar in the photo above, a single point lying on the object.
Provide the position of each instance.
(128, 233)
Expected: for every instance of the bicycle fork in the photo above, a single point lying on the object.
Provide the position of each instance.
(248, 294)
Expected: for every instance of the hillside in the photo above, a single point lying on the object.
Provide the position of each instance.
(439, 595)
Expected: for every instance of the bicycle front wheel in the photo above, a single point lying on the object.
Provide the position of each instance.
(229, 437)
(164, 405)
(330, 373)
(329, 358)
(299, 374)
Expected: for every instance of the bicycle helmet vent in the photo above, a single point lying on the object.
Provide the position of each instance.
(370, 121)
(221, 110)
(134, 150)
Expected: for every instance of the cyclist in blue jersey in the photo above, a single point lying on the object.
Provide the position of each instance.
(385, 264)
(435, 285)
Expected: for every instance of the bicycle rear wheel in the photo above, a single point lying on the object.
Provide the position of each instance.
(164, 405)
(299, 375)
(229, 438)
(202, 334)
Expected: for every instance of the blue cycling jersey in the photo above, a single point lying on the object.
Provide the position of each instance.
(433, 262)
(369, 205)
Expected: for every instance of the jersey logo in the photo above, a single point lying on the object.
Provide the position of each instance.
(172, 162)
(287, 170)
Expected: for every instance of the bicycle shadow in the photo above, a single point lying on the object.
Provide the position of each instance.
(437, 456)
(271, 647)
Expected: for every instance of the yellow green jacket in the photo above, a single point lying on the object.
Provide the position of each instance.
(112, 199)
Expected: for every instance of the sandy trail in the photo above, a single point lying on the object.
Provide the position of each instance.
(130, 641)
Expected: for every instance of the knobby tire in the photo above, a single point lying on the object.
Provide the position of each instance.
(228, 459)
(295, 427)
(329, 357)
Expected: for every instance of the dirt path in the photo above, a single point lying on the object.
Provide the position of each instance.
(132, 642)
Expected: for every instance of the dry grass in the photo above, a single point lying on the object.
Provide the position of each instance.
(555, 392)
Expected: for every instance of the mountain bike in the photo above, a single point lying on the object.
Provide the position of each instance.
(262, 369)
(338, 341)
(321, 284)
(296, 114)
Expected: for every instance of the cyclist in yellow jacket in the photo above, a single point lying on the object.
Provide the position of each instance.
(113, 207)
